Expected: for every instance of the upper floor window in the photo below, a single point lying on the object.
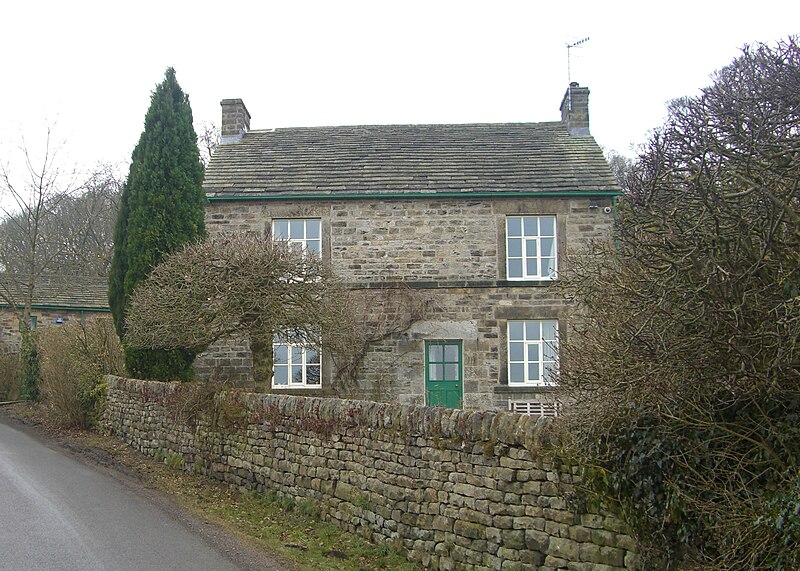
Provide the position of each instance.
(301, 233)
(531, 247)
(532, 352)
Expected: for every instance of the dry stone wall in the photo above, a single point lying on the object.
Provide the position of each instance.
(455, 489)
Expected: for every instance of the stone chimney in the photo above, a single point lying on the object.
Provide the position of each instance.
(575, 109)
(235, 120)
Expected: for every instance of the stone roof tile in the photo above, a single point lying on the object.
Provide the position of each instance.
(507, 157)
(69, 291)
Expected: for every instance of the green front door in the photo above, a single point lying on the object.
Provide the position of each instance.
(443, 377)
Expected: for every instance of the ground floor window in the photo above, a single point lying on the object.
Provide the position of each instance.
(296, 366)
(532, 352)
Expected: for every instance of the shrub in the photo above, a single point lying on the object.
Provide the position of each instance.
(9, 377)
(75, 360)
(216, 403)
(269, 291)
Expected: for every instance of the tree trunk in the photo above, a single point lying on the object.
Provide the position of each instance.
(262, 359)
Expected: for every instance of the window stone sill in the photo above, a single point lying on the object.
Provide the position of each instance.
(294, 391)
(524, 390)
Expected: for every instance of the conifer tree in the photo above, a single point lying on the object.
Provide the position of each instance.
(119, 264)
(162, 209)
(30, 367)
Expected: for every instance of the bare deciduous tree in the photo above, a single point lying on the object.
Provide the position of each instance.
(56, 229)
(377, 314)
(27, 247)
(684, 377)
(208, 138)
(85, 224)
(620, 166)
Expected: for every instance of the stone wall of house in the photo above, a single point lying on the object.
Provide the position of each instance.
(226, 360)
(45, 318)
(454, 489)
(9, 331)
(433, 241)
(450, 250)
(393, 370)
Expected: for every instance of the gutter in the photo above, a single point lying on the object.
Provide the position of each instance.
(406, 195)
(59, 307)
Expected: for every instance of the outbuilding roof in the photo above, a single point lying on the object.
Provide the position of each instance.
(68, 292)
(408, 159)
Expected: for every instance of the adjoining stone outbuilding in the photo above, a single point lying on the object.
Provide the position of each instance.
(474, 220)
(57, 300)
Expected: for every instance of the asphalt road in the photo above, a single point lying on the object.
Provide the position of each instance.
(59, 514)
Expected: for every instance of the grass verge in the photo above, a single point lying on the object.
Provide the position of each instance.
(293, 530)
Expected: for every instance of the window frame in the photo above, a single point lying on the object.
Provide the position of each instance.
(33, 322)
(547, 367)
(459, 362)
(305, 365)
(537, 239)
(302, 241)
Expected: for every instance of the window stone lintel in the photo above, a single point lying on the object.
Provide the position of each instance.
(519, 313)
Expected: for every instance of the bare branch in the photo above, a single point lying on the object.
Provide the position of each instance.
(684, 373)
(58, 224)
(237, 284)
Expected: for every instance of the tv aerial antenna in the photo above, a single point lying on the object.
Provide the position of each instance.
(569, 71)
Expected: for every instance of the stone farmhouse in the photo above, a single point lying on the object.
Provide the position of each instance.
(464, 227)
(56, 300)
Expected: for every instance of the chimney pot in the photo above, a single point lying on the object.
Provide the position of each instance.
(235, 120)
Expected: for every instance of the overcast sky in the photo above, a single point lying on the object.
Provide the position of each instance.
(88, 68)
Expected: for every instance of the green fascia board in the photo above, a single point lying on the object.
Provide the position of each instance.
(404, 195)
(59, 307)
